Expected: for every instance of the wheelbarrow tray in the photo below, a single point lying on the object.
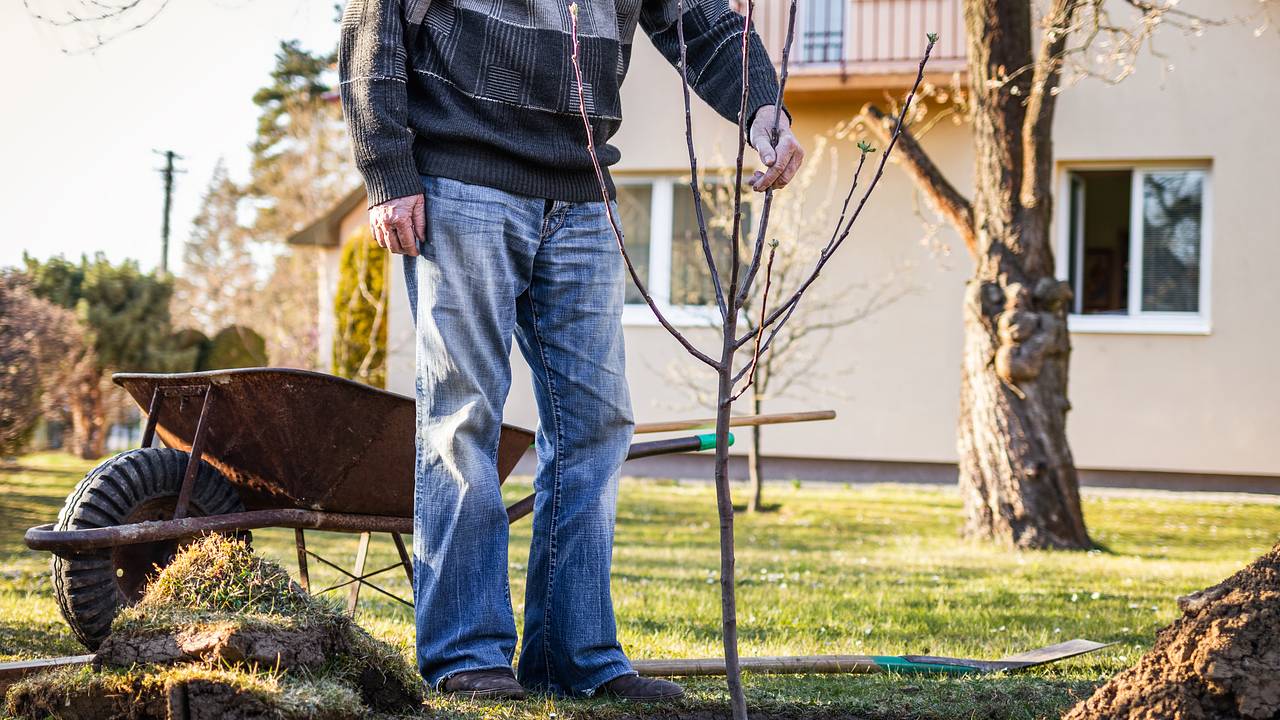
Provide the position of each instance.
(295, 439)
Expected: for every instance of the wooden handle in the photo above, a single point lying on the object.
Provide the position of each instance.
(740, 421)
(780, 665)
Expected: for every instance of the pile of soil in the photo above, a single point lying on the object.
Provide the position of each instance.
(1221, 659)
(222, 633)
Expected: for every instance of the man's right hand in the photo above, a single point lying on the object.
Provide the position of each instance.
(399, 224)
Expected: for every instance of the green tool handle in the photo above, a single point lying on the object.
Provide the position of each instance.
(671, 446)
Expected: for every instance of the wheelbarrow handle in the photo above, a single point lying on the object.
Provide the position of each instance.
(739, 421)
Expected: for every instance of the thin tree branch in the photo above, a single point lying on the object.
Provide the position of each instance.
(944, 197)
(773, 140)
(764, 302)
(694, 185)
(735, 234)
(844, 209)
(613, 221)
(789, 306)
(106, 13)
(1037, 127)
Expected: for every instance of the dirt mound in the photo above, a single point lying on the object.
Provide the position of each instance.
(1221, 659)
(221, 632)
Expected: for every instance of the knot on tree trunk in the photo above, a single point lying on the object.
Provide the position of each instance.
(1029, 322)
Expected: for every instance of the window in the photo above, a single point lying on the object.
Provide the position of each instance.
(822, 34)
(1136, 249)
(660, 227)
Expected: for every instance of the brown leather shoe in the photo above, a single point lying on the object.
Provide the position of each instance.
(642, 689)
(494, 684)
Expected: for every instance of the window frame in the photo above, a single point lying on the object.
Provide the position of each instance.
(805, 15)
(1137, 321)
(658, 283)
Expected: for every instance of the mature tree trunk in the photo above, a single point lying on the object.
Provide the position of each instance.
(1017, 475)
(755, 466)
(1016, 472)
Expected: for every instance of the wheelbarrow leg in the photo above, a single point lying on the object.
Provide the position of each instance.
(153, 416)
(353, 596)
(197, 454)
(300, 541)
(404, 558)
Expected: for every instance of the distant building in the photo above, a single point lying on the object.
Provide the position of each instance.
(1173, 375)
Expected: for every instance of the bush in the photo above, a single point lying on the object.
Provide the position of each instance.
(235, 346)
(360, 311)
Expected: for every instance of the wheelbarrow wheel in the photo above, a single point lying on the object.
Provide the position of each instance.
(134, 486)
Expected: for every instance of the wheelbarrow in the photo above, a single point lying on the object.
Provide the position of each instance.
(256, 448)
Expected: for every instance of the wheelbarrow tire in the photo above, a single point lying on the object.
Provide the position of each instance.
(137, 485)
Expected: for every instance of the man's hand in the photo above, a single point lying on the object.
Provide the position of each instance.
(783, 160)
(400, 224)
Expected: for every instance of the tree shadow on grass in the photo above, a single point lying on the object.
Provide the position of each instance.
(765, 508)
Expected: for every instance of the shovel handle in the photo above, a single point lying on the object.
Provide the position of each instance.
(739, 421)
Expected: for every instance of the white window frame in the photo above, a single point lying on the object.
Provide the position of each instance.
(661, 216)
(1138, 321)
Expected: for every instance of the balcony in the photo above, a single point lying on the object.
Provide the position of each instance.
(862, 44)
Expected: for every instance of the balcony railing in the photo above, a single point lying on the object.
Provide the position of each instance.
(848, 37)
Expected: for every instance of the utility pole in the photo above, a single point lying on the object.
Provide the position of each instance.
(167, 171)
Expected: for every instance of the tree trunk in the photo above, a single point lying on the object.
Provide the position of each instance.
(88, 421)
(755, 466)
(1017, 475)
(724, 507)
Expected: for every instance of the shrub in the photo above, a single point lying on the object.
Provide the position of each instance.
(360, 311)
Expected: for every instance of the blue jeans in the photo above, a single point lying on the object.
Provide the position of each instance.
(494, 265)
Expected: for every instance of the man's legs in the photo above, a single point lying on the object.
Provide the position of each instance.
(570, 331)
(463, 287)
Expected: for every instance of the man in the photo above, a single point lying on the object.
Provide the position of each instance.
(464, 122)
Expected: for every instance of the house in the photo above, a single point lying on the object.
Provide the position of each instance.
(1173, 375)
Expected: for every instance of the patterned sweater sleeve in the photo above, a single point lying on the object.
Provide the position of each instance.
(713, 36)
(371, 73)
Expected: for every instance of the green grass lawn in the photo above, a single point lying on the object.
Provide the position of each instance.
(837, 569)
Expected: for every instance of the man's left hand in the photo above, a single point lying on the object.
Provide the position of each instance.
(782, 160)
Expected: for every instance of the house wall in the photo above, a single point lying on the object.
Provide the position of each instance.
(327, 266)
(1196, 403)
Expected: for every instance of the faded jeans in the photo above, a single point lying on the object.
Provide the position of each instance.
(494, 265)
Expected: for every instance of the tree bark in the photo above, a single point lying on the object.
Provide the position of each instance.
(1017, 474)
(724, 507)
(755, 466)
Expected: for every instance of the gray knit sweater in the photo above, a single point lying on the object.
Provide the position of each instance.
(483, 91)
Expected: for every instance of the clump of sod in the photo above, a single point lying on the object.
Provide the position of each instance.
(228, 631)
(182, 691)
(222, 574)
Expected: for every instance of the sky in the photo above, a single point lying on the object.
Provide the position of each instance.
(77, 130)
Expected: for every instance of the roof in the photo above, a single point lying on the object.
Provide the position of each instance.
(323, 231)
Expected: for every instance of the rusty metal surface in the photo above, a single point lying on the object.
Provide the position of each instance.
(297, 439)
(44, 537)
